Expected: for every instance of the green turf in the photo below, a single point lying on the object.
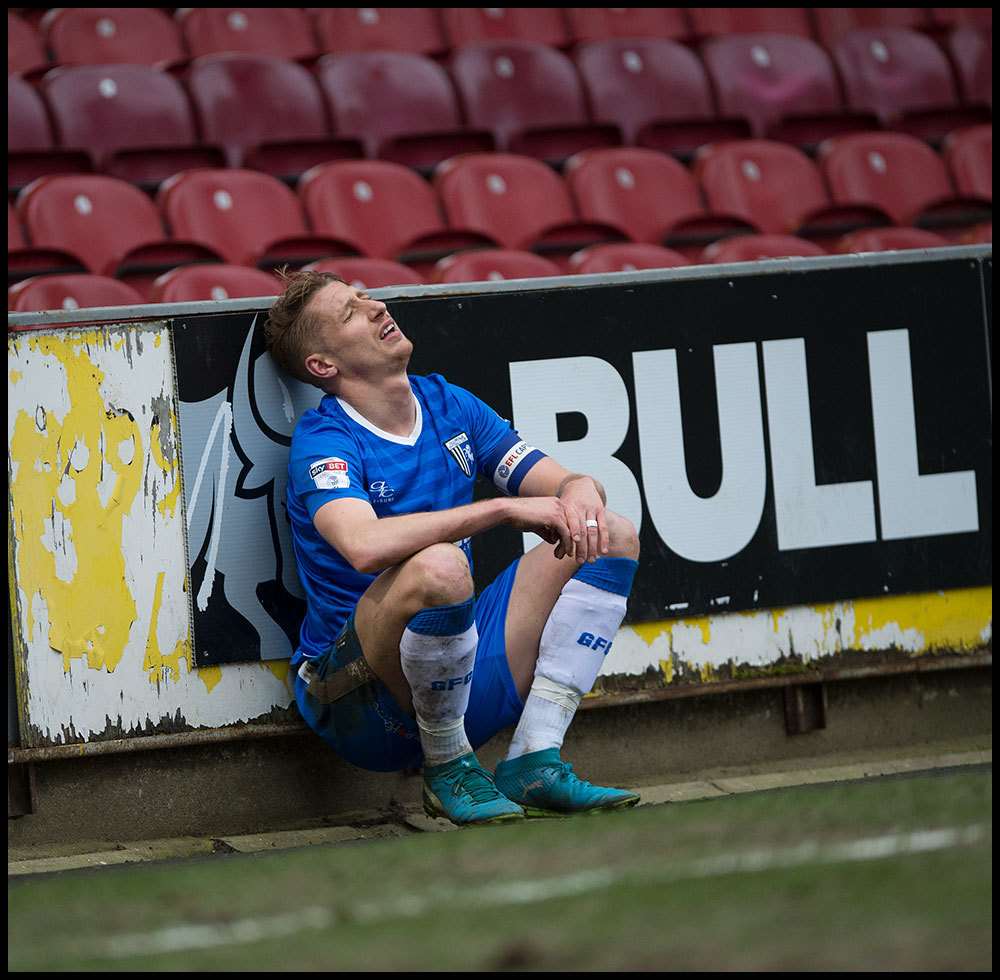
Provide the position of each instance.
(437, 902)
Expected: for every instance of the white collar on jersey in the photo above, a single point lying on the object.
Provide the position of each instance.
(410, 440)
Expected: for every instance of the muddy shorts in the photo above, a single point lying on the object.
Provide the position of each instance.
(370, 730)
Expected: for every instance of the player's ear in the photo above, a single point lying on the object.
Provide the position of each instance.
(321, 367)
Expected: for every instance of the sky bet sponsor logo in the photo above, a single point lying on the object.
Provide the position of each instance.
(594, 642)
(452, 683)
(330, 474)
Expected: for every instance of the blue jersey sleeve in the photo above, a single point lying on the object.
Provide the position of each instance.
(324, 464)
(501, 454)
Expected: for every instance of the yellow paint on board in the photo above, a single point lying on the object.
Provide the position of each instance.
(155, 661)
(90, 615)
(667, 670)
(279, 668)
(209, 676)
(168, 505)
(14, 376)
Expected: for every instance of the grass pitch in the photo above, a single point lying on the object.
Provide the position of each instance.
(893, 874)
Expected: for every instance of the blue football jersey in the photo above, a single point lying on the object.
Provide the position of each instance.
(337, 453)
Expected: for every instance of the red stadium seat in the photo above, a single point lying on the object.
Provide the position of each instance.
(369, 273)
(980, 235)
(601, 23)
(68, 292)
(385, 210)
(401, 106)
(414, 29)
(889, 240)
(23, 260)
(476, 25)
(904, 78)
(778, 188)
(656, 91)
(969, 155)
(648, 196)
(247, 217)
(626, 257)
(899, 174)
(31, 148)
(135, 121)
(25, 50)
(713, 21)
(971, 53)
(492, 265)
(785, 86)
(267, 112)
(973, 16)
(283, 32)
(108, 224)
(832, 23)
(112, 36)
(518, 201)
(206, 282)
(530, 97)
(750, 248)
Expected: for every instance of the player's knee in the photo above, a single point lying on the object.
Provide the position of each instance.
(623, 539)
(440, 575)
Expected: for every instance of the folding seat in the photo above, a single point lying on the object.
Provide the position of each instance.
(832, 23)
(384, 210)
(974, 16)
(530, 97)
(69, 292)
(401, 106)
(713, 21)
(108, 224)
(778, 188)
(971, 52)
(969, 155)
(904, 78)
(518, 201)
(112, 36)
(369, 273)
(31, 147)
(647, 196)
(656, 91)
(899, 174)
(602, 23)
(23, 260)
(283, 32)
(889, 240)
(248, 218)
(785, 86)
(414, 29)
(626, 257)
(493, 265)
(190, 283)
(267, 112)
(477, 25)
(135, 121)
(25, 50)
(749, 248)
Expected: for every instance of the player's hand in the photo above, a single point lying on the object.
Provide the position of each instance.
(585, 513)
(546, 517)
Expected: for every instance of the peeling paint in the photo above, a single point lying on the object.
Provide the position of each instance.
(210, 677)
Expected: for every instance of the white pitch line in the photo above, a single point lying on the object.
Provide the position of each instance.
(191, 936)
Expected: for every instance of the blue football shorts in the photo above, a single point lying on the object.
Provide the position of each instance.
(370, 730)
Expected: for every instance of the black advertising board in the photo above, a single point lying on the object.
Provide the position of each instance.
(787, 438)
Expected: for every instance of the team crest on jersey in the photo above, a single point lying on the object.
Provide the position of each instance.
(330, 474)
(461, 451)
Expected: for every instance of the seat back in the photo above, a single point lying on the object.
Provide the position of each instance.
(478, 25)
(641, 192)
(750, 248)
(713, 21)
(832, 23)
(70, 292)
(213, 282)
(624, 257)
(601, 23)
(969, 154)
(28, 125)
(772, 185)
(283, 32)
(493, 265)
(237, 213)
(112, 36)
(25, 50)
(971, 52)
(889, 240)
(414, 29)
(369, 273)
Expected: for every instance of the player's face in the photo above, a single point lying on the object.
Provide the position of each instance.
(358, 332)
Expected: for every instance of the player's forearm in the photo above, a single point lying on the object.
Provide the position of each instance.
(390, 540)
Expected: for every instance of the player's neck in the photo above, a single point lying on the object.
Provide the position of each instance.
(389, 405)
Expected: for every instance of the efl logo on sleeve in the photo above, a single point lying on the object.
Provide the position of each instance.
(330, 474)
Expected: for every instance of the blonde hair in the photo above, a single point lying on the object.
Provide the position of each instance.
(290, 330)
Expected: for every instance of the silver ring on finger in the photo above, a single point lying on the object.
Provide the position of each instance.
(591, 523)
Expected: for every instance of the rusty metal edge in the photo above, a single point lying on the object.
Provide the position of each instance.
(240, 733)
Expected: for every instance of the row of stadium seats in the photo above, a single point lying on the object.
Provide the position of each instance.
(220, 281)
(274, 115)
(109, 35)
(383, 210)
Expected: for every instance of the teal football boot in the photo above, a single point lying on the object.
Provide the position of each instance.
(547, 787)
(463, 792)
